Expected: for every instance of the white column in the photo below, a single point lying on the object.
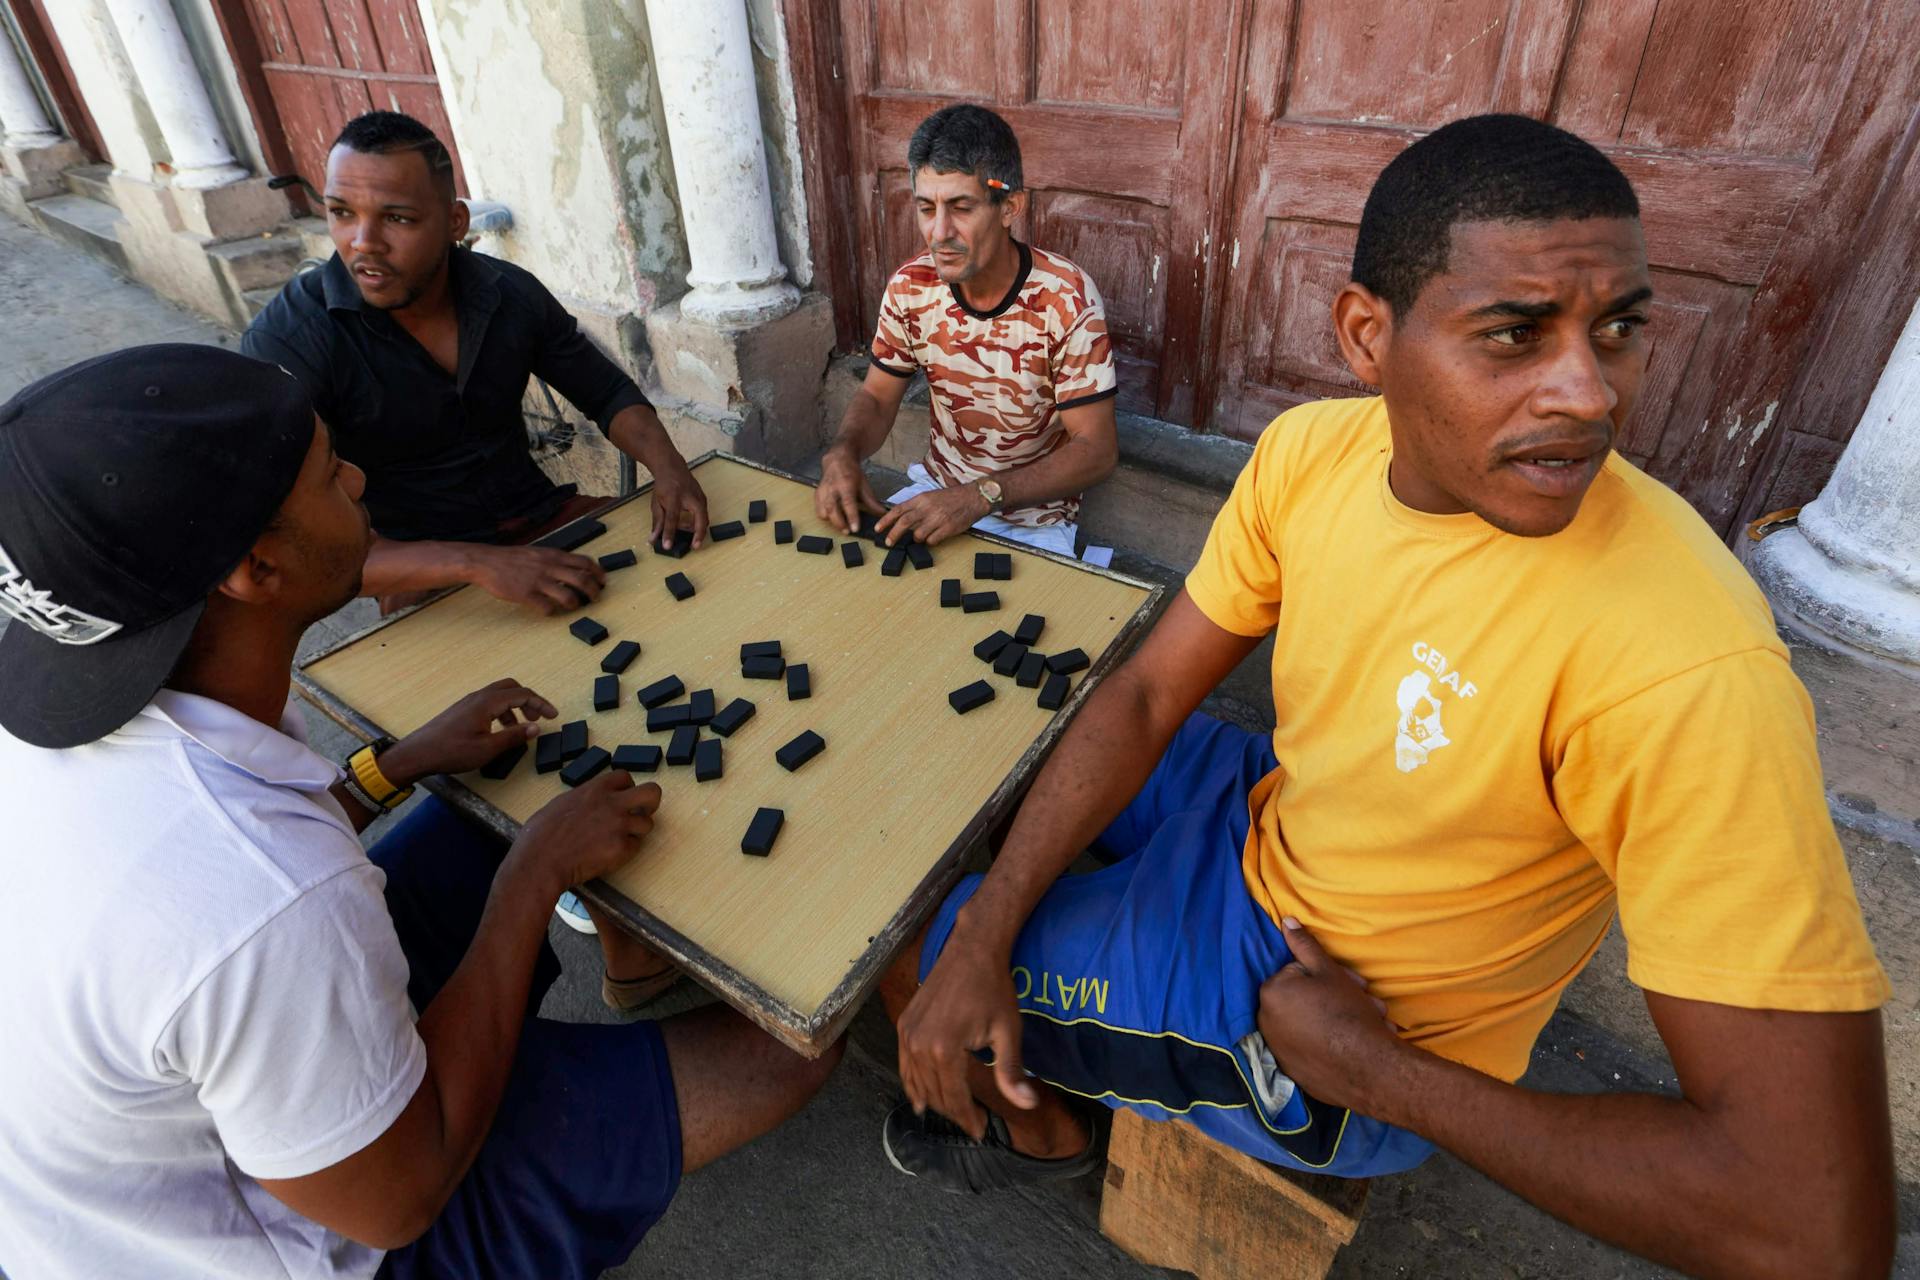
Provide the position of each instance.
(1851, 567)
(22, 118)
(702, 54)
(158, 49)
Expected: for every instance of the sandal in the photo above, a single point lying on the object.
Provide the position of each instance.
(625, 995)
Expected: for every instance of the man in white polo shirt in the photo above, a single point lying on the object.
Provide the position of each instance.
(214, 1064)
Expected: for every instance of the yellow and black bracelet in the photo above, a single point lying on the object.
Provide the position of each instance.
(363, 769)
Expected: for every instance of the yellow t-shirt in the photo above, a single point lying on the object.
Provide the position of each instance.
(1487, 741)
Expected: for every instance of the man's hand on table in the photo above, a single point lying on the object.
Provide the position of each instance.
(468, 734)
(966, 1003)
(934, 517)
(543, 578)
(678, 501)
(1328, 1035)
(843, 493)
(587, 832)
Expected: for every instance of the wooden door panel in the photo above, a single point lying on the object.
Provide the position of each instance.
(1111, 53)
(403, 40)
(1695, 322)
(921, 56)
(1120, 244)
(1417, 65)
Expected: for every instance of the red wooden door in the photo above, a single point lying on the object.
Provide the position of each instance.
(327, 61)
(1755, 132)
(1118, 110)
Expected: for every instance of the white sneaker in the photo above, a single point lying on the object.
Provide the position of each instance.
(573, 913)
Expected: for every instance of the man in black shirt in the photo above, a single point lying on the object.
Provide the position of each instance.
(417, 352)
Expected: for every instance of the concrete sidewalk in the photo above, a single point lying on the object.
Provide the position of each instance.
(817, 1198)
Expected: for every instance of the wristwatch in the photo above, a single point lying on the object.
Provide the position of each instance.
(990, 490)
(368, 784)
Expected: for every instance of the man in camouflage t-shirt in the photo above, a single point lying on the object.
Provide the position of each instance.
(1013, 342)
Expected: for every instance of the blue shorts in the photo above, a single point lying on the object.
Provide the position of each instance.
(1139, 984)
(584, 1153)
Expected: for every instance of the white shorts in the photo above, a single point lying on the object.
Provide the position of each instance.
(1057, 538)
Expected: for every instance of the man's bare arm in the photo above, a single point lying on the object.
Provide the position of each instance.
(677, 500)
(843, 492)
(967, 1002)
(1087, 457)
(1777, 1160)
(544, 578)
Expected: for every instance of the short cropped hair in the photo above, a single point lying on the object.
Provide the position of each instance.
(1492, 168)
(383, 133)
(965, 138)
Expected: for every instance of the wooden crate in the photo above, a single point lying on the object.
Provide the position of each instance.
(1175, 1198)
(876, 825)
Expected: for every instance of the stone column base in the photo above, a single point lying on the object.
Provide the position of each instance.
(754, 391)
(38, 169)
(1863, 611)
(172, 245)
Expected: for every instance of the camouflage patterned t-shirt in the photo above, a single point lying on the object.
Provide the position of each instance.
(999, 377)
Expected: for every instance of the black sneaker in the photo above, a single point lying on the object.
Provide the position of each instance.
(934, 1148)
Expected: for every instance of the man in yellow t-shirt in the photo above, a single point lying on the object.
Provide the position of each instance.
(1519, 686)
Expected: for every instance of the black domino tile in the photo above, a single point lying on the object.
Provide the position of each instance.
(503, 764)
(852, 554)
(1054, 693)
(642, 758)
(585, 765)
(920, 555)
(606, 692)
(546, 753)
(989, 649)
(731, 717)
(587, 631)
(896, 561)
(620, 657)
(757, 511)
(681, 544)
(1065, 664)
(1032, 667)
(760, 649)
(569, 536)
(762, 832)
(1009, 659)
(619, 560)
(763, 667)
(573, 738)
(671, 716)
(800, 750)
(815, 545)
(707, 761)
(725, 532)
(660, 691)
(950, 593)
(783, 531)
(680, 585)
(1028, 632)
(977, 694)
(980, 601)
(680, 748)
(799, 682)
(700, 706)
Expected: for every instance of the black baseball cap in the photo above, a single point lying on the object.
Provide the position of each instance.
(130, 485)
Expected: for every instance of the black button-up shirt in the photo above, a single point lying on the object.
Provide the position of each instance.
(446, 456)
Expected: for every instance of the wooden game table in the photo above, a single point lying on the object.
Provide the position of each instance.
(877, 825)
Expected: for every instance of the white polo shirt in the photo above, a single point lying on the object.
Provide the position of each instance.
(200, 986)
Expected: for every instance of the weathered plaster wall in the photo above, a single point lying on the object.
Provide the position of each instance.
(215, 61)
(107, 83)
(557, 116)
(779, 126)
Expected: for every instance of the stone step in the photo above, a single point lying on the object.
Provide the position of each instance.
(314, 240)
(258, 262)
(90, 180)
(85, 224)
(255, 301)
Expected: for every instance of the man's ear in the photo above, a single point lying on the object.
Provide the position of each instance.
(457, 224)
(1363, 323)
(1012, 208)
(258, 578)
